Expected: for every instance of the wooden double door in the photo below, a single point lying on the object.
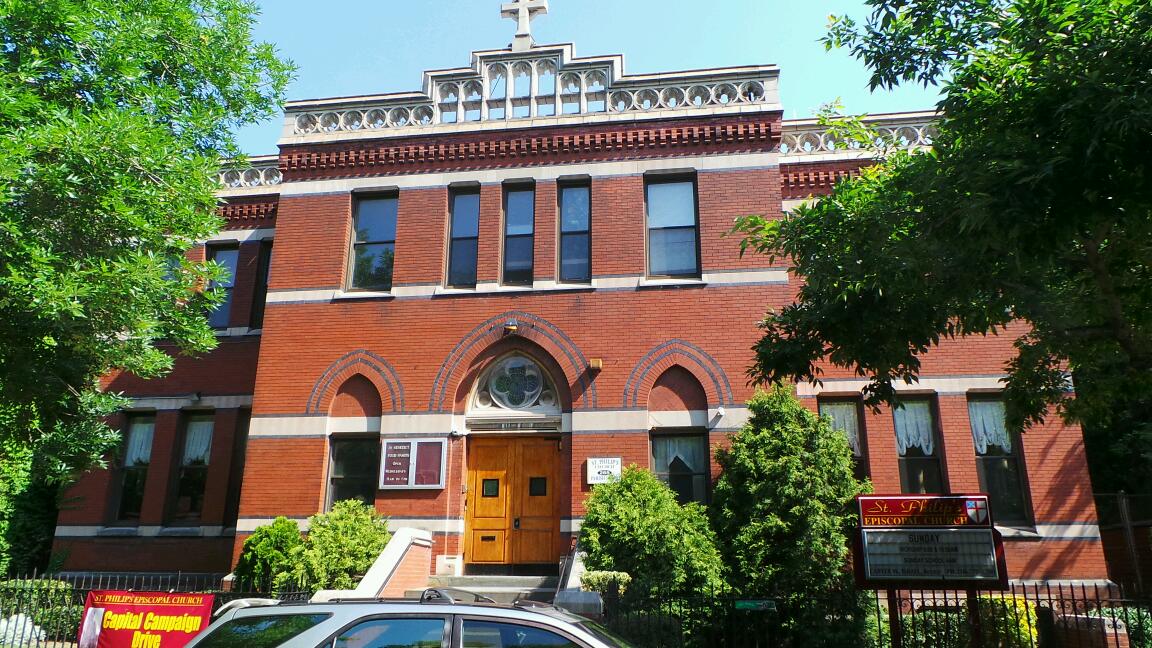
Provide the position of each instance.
(512, 507)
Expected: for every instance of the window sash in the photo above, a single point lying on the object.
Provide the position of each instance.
(1002, 478)
(229, 258)
(692, 450)
(260, 296)
(354, 465)
(673, 224)
(464, 236)
(672, 251)
(518, 259)
(576, 234)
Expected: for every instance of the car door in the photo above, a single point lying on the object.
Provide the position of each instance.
(394, 631)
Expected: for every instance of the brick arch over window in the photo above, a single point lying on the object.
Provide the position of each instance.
(508, 345)
(554, 343)
(356, 397)
(677, 390)
(370, 366)
(689, 357)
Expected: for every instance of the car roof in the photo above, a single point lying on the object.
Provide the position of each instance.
(524, 610)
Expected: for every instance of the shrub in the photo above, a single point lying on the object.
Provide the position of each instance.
(602, 581)
(341, 546)
(51, 604)
(936, 629)
(267, 555)
(782, 512)
(1007, 621)
(635, 525)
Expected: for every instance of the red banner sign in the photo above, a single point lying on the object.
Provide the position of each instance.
(887, 511)
(116, 619)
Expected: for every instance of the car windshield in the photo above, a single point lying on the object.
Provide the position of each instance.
(260, 631)
(603, 634)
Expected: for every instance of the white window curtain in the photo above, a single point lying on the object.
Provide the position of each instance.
(139, 449)
(988, 425)
(914, 427)
(692, 450)
(198, 441)
(845, 418)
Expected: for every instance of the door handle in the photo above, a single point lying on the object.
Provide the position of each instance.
(516, 523)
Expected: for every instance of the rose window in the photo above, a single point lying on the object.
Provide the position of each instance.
(516, 383)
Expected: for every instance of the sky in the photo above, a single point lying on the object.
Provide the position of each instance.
(359, 47)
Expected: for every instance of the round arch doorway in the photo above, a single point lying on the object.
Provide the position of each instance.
(514, 468)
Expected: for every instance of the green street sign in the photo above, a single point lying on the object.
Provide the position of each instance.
(757, 605)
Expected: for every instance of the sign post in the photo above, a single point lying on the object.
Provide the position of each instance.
(928, 542)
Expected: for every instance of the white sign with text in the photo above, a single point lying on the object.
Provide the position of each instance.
(602, 470)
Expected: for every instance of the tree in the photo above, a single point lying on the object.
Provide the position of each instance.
(782, 509)
(267, 555)
(114, 115)
(1031, 217)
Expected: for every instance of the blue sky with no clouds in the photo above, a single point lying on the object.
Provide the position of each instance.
(356, 47)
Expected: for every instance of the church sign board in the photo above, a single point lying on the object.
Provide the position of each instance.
(602, 470)
(918, 541)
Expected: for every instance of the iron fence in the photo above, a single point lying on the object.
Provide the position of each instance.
(1032, 616)
(1126, 531)
(45, 611)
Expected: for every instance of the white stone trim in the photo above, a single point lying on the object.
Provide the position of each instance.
(248, 525)
(292, 296)
(938, 384)
(791, 204)
(610, 421)
(743, 277)
(288, 426)
(189, 401)
(406, 424)
(571, 525)
(440, 179)
(347, 424)
(241, 236)
(1075, 530)
(630, 282)
(449, 526)
(147, 531)
(681, 418)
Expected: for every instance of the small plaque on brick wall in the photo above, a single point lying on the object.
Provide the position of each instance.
(602, 470)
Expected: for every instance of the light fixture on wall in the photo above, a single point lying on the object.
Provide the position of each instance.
(511, 326)
(596, 364)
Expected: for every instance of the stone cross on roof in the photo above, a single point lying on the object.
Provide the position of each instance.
(523, 11)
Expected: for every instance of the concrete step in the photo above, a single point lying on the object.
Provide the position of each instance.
(502, 589)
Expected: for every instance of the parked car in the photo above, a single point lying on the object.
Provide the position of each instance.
(438, 619)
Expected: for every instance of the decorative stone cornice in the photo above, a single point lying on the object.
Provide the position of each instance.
(806, 140)
(421, 155)
(248, 213)
(261, 175)
(545, 86)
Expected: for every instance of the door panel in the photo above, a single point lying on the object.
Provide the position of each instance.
(488, 504)
(512, 500)
(534, 502)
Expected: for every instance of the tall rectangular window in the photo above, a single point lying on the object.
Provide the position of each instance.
(355, 470)
(260, 294)
(845, 415)
(681, 461)
(519, 230)
(672, 246)
(374, 242)
(464, 236)
(134, 462)
(226, 257)
(576, 234)
(998, 462)
(193, 475)
(918, 446)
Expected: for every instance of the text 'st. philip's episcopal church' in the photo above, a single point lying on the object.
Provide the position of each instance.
(452, 303)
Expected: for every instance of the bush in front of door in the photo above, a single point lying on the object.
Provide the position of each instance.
(340, 547)
(636, 525)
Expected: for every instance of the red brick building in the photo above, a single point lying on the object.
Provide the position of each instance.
(452, 302)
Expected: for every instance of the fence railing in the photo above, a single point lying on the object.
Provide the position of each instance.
(46, 610)
(1023, 617)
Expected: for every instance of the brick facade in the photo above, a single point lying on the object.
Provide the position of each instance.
(632, 357)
